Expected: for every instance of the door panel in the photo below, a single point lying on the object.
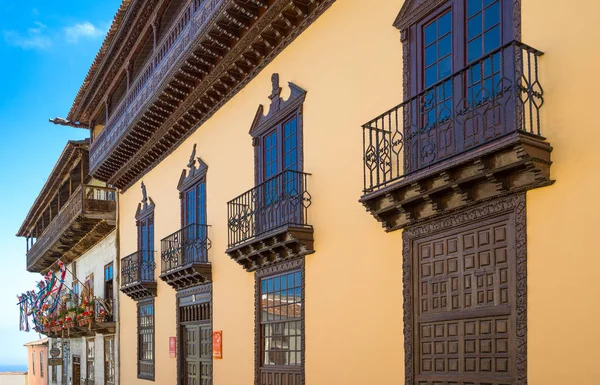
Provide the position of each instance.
(197, 353)
(76, 370)
(464, 291)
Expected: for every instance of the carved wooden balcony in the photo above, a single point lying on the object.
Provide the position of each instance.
(473, 136)
(212, 49)
(88, 216)
(269, 223)
(137, 275)
(184, 257)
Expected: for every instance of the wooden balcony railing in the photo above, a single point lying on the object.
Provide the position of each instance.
(489, 99)
(189, 23)
(91, 203)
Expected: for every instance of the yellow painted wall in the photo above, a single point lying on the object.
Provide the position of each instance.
(350, 63)
(353, 281)
(563, 221)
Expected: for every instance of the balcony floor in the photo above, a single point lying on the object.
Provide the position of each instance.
(516, 162)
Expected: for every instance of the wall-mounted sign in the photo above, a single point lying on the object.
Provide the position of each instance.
(55, 361)
(55, 352)
(217, 344)
(172, 347)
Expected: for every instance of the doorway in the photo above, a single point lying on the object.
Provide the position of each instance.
(76, 370)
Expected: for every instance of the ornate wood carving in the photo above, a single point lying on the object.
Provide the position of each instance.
(181, 106)
(413, 10)
(145, 207)
(515, 163)
(197, 171)
(278, 268)
(282, 245)
(140, 290)
(188, 275)
(201, 290)
(513, 205)
(80, 224)
(278, 109)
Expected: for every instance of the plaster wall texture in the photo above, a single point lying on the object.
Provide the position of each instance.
(350, 63)
(93, 262)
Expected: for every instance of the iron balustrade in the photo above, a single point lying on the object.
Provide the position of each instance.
(186, 246)
(282, 200)
(138, 268)
(490, 98)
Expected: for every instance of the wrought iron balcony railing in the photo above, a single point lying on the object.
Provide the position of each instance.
(184, 247)
(137, 268)
(490, 98)
(282, 200)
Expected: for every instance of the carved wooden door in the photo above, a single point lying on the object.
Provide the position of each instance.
(76, 370)
(463, 305)
(197, 346)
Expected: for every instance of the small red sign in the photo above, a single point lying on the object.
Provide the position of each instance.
(172, 347)
(217, 343)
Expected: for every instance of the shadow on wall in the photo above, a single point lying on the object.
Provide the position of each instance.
(13, 378)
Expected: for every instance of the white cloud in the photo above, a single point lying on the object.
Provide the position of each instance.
(33, 39)
(84, 30)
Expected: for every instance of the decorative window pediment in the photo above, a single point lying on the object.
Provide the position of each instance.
(413, 10)
(145, 207)
(278, 109)
(196, 171)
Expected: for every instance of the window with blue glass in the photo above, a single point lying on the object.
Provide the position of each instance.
(194, 218)
(437, 41)
(484, 36)
(146, 247)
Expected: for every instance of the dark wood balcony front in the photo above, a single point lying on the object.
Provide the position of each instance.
(184, 257)
(269, 223)
(472, 136)
(137, 275)
(87, 216)
(210, 52)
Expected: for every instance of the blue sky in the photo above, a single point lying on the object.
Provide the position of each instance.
(46, 48)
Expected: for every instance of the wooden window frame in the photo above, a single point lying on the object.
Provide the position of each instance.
(106, 362)
(90, 359)
(415, 13)
(272, 271)
(280, 112)
(152, 362)
(109, 297)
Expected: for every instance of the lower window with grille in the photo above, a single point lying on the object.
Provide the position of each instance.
(281, 326)
(109, 360)
(146, 339)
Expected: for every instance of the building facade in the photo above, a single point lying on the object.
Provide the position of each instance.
(71, 241)
(234, 131)
(37, 362)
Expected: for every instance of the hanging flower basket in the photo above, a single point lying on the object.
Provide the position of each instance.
(102, 316)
